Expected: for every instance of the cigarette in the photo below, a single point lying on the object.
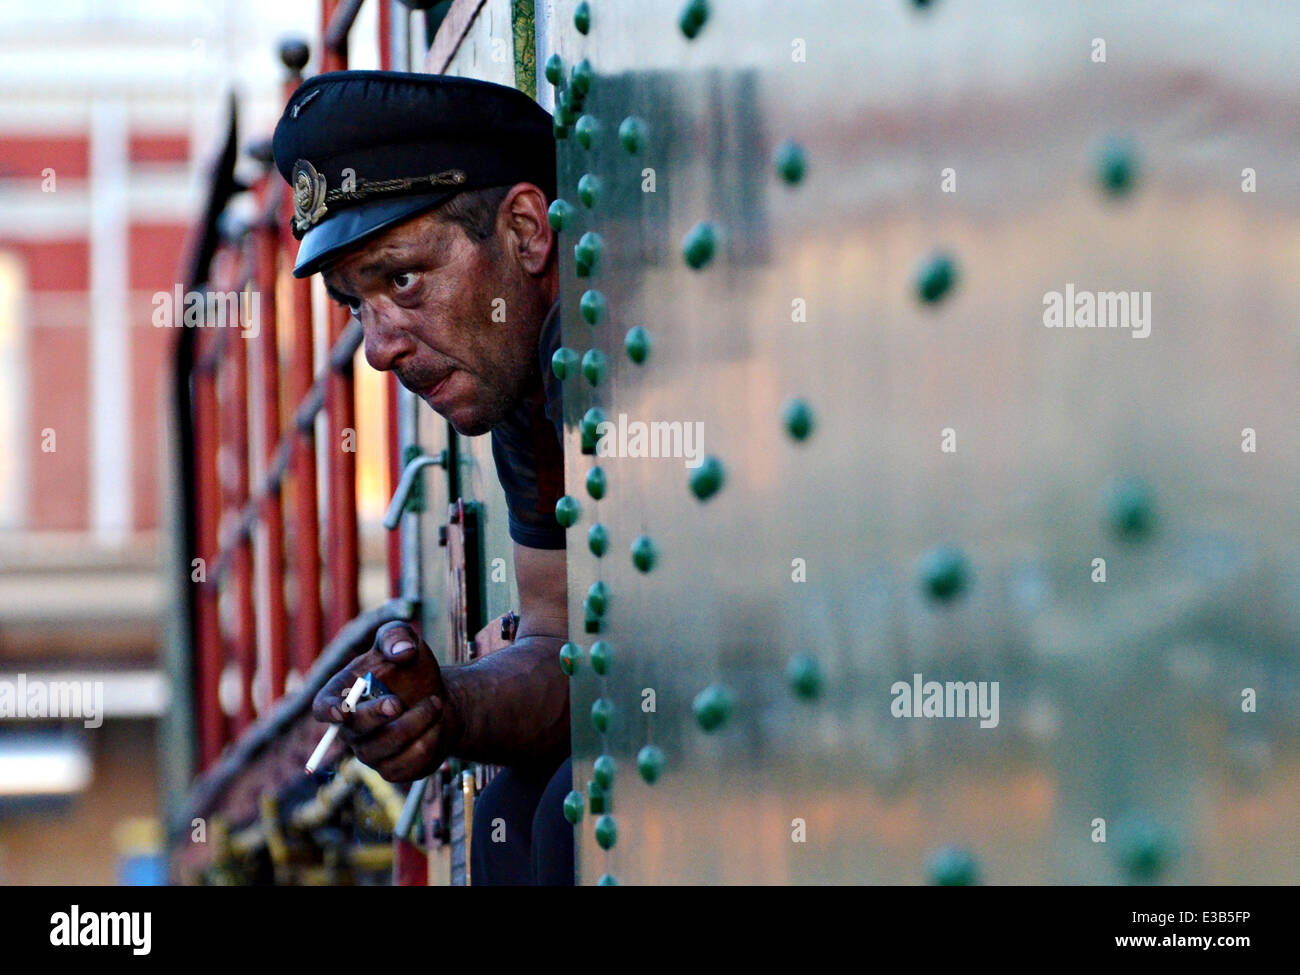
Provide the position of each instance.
(350, 702)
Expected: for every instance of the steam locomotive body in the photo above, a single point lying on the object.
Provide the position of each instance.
(938, 363)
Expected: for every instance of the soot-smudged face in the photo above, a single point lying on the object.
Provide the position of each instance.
(426, 293)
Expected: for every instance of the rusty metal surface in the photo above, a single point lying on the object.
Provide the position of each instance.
(1119, 701)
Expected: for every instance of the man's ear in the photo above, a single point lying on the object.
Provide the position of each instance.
(530, 234)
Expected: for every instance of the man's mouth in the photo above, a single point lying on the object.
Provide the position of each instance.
(433, 392)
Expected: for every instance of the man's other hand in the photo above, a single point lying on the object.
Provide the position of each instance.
(404, 735)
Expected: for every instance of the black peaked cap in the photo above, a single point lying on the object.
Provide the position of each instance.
(365, 150)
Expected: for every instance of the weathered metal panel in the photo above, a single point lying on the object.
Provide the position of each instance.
(1120, 700)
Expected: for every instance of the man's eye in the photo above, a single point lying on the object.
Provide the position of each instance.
(403, 281)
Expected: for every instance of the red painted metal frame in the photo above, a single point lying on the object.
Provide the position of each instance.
(211, 718)
(233, 423)
(395, 458)
(268, 505)
(266, 248)
(340, 410)
(308, 628)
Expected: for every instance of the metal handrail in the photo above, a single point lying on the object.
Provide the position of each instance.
(393, 516)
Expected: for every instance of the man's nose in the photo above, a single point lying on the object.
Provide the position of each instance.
(386, 344)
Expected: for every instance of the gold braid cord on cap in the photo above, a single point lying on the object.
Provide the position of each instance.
(311, 199)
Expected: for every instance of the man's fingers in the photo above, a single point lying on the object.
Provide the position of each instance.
(327, 706)
(415, 760)
(369, 715)
(396, 644)
(407, 666)
(396, 735)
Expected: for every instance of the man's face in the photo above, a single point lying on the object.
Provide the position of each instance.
(424, 293)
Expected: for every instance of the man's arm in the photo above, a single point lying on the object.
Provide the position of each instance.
(513, 705)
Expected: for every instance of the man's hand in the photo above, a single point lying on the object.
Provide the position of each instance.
(404, 735)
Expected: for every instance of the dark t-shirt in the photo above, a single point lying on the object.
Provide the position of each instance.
(527, 447)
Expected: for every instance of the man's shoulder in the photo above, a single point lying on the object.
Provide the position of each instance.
(527, 447)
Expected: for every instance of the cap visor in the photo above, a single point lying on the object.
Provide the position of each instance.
(333, 237)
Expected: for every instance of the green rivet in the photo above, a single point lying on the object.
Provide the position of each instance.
(598, 597)
(573, 807)
(1144, 849)
(560, 130)
(570, 657)
(650, 763)
(559, 214)
(596, 483)
(589, 248)
(643, 553)
(637, 344)
(631, 132)
(582, 17)
(598, 540)
(585, 130)
(554, 69)
(567, 510)
(593, 366)
(790, 162)
(602, 770)
(708, 478)
(693, 17)
(952, 866)
(588, 190)
(601, 656)
(564, 363)
(713, 707)
(1117, 166)
(798, 419)
(589, 428)
(606, 832)
(804, 674)
(1130, 507)
(580, 77)
(601, 712)
(699, 244)
(593, 306)
(599, 801)
(936, 277)
(943, 572)
(607, 880)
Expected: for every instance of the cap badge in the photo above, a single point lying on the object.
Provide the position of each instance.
(308, 196)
